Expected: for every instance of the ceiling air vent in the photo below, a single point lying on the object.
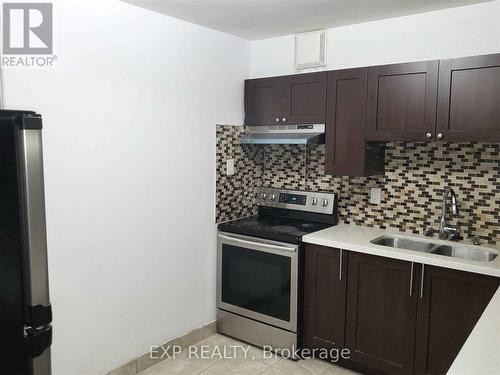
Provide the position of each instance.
(310, 50)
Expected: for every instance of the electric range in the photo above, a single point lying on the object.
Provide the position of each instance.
(259, 265)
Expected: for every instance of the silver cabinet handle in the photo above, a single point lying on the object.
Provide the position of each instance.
(264, 245)
(277, 119)
(428, 135)
(422, 282)
(440, 136)
(283, 119)
(340, 267)
(411, 279)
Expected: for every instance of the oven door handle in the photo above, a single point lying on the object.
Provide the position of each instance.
(269, 246)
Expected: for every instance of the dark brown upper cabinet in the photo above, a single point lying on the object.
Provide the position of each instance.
(304, 98)
(450, 304)
(324, 297)
(295, 99)
(346, 149)
(402, 102)
(263, 101)
(454, 100)
(469, 99)
(381, 313)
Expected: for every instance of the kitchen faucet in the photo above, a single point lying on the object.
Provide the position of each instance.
(446, 231)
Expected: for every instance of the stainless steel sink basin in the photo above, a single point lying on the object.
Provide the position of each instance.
(464, 252)
(404, 243)
(455, 251)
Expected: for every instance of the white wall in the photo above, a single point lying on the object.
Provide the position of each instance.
(463, 31)
(129, 114)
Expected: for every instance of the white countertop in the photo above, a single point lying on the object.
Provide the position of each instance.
(357, 238)
(481, 352)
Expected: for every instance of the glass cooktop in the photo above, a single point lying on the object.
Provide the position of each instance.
(272, 228)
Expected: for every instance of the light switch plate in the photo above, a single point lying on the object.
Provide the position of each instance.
(230, 167)
(375, 195)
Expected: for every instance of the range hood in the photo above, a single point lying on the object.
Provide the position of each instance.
(312, 134)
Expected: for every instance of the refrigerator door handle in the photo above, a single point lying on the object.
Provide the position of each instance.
(33, 201)
(30, 167)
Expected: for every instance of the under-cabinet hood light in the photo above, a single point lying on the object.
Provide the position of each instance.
(285, 135)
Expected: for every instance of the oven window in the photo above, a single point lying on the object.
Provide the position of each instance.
(256, 281)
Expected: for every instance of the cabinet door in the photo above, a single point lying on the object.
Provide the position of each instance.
(346, 148)
(402, 102)
(304, 98)
(381, 313)
(263, 101)
(324, 297)
(451, 304)
(469, 99)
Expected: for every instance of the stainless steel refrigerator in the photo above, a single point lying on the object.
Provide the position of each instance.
(25, 311)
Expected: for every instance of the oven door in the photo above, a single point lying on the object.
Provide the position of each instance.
(257, 278)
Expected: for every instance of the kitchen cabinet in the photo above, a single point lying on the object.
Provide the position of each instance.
(263, 101)
(469, 99)
(346, 151)
(381, 313)
(396, 317)
(304, 98)
(451, 100)
(324, 297)
(402, 102)
(295, 99)
(450, 304)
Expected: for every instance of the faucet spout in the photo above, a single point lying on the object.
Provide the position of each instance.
(454, 203)
(446, 231)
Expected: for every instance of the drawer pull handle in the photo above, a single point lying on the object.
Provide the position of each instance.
(411, 279)
(340, 267)
(422, 282)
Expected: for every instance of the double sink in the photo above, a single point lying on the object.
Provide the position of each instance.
(456, 251)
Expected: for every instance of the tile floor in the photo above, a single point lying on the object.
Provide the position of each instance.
(239, 364)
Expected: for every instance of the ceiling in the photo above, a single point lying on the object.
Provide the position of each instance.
(260, 19)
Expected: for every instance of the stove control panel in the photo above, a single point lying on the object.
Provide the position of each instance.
(293, 198)
(318, 202)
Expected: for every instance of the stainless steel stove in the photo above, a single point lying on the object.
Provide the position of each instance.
(259, 265)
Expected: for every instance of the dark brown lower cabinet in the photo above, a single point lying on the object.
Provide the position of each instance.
(396, 317)
(381, 313)
(325, 297)
(450, 305)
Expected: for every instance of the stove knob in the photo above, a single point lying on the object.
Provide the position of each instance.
(314, 201)
(324, 203)
(263, 196)
(273, 197)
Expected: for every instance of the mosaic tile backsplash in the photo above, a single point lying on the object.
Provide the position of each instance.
(235, 195)
(412, 185)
